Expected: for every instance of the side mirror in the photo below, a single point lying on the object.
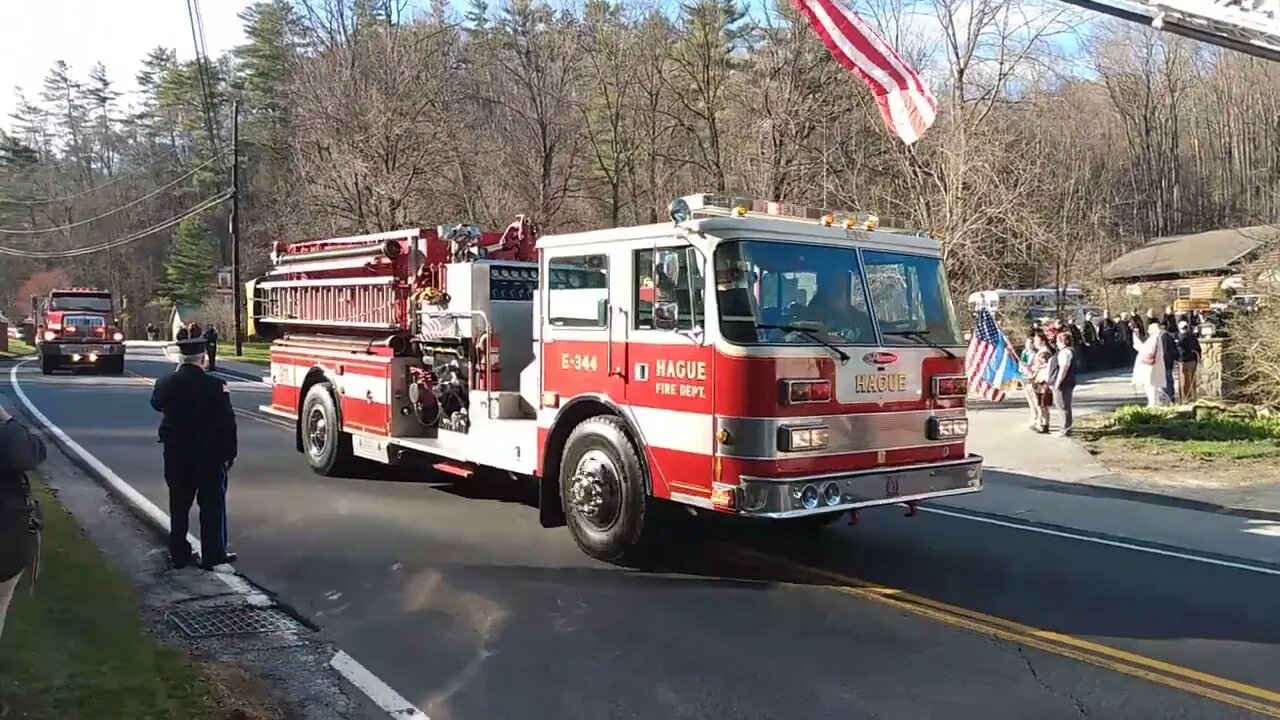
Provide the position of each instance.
(669, 263)
(666, 315)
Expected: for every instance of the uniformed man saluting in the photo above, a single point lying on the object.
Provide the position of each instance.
(199, 436)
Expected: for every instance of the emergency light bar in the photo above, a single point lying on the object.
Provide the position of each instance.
(708, 205)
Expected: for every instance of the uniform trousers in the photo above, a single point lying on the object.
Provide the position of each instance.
(190, 482)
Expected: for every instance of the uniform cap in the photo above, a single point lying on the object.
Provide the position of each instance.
(192, 346)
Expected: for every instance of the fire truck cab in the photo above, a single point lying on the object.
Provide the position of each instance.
(747, 358)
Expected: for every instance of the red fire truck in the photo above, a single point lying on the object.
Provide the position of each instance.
(76, 327)
(747, 358)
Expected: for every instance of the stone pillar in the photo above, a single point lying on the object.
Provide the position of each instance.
(1213, 376)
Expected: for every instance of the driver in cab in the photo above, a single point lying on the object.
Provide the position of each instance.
(831, 306)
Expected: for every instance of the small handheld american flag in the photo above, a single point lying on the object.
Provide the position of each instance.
(989, 361)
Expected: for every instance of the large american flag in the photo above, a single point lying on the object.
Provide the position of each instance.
(989, 361)
(906, 104)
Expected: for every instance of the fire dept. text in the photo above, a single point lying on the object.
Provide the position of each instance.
(878, 382)
(694, 370)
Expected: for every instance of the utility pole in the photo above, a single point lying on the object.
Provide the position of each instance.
(236, 289)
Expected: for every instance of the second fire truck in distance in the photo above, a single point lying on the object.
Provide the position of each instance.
(76, 328)
(747, 358)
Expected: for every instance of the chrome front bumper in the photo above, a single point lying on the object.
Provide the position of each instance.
(104, 349)
(783, 497)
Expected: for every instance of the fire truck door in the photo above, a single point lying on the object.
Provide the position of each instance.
(577, 327)
(669, 370)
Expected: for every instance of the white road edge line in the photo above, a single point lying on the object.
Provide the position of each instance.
(345, 665)
(1104, 541)
(379, 692)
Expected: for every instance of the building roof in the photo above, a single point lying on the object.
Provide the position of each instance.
(1213, 251)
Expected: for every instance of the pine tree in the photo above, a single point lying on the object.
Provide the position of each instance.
(189, 273)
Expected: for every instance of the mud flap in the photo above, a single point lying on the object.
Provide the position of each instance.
(550, 511)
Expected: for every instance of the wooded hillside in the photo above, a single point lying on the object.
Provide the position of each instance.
(1062, 139)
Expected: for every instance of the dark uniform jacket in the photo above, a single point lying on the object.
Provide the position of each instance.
(199, 424)
(20, 451)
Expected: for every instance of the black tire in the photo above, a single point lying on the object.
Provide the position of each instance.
(46, 365)
(327, 448)
(622, 532)
(113, 366)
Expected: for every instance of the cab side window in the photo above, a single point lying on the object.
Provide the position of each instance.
(578, 291)
(653, 284)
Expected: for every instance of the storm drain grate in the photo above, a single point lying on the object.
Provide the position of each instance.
(233, 620)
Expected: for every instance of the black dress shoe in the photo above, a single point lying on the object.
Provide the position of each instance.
(181, 562)
(226, 560)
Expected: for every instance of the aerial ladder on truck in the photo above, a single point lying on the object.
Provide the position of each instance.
(1248, 26)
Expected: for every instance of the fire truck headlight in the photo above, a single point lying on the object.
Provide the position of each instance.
(831, 493)
(809, 497)
(118, 337)
(49, 334)
(947, 428)
(809, 437)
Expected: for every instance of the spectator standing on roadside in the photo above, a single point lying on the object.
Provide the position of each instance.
(1063, 381)
(153, 333)
(1169, 347)
(199, 436)
(211, 346)
(1188, 362)
(1042, 393)
(20, 522)
(1149, 366)
(182, 334)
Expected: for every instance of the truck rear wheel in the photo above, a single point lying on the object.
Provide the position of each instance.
(602, 491)
(327, 448)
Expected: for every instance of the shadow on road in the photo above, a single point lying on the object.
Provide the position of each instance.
(1061, 584)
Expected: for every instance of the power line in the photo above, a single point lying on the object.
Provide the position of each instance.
(119, 178)
(55, 254)
(113, 211)
(203, 73)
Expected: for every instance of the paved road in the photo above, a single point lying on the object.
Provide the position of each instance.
(471, 610)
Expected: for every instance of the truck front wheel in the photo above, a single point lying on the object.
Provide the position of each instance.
(327, 448)
(602, 491)
(47, 364)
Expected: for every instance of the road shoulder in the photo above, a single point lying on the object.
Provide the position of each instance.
(216, 617)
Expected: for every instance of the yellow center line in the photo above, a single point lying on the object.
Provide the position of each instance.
(1193, 681)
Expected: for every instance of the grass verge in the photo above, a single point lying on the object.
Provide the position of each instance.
(79, 648)
(1203, 433)
(258, 353)
(17, 348)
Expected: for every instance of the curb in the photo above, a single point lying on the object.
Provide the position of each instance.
(1148, 498)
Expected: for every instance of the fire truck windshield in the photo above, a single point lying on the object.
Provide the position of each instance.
(910, 299)
(87, 303)
(785, 293)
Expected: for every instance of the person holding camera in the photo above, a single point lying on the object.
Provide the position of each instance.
(20, 522)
